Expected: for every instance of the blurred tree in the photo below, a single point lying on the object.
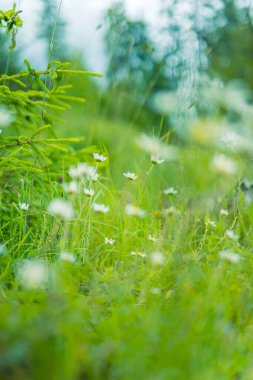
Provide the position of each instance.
(134, 67)
(230, 41)
(53, 26)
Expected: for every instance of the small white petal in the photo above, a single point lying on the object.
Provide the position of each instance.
(130, 176)
(99, 157)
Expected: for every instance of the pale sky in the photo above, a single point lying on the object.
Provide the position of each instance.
(83, 17)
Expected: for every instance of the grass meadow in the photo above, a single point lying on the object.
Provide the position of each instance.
(126, 254)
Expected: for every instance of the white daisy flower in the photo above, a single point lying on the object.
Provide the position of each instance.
(224, 212)
(170, 191)
(67, 256)
(99, 157)
(157, 258)
(100, 208)
(89, 192)
(230, 256)
(156, 160)
(231, 235)
(224, 164)
(93, 177)
(60, 207)
(134, 211)
(33, 274)
(141, 254)
(130, 176)
(71, 187)
(109, 241)
(24, 206)
(153, 239)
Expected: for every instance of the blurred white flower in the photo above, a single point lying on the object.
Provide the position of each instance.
(134, 211)
(81, 169)
(229, 256)
(130, 176)
(231, 235)
(24, 206)
(67, 256)
(224, 212)
(33, 274)
(89, 192)
(99, 157)
(100, 208)
(60, 207)
(71, 187)
(153, 239)
(156, 160)
(170, 191)
(6, 117)
(109, 241)
(155, 147)
(210, 223)
(157, 258)
(93, 177)
(141, 254)
(224, 164)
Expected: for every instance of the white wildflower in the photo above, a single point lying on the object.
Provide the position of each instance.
(231, 235)
(141, 254)
(32, 274)
(67, 256)
(169, 211)
(156, 160)
(153, 239)
(224, 164)
(157, 258)
(229, 256)
(89, 192)
(170, 191)
(93, 177)
(210, 223)
(130, 176)
(134, 211)
(155, 147)
(81, 169)
(24, 206)
(71, 187)
(61, 208)
(100, 208)
(224, 212)
(99, 157)
(109, 241)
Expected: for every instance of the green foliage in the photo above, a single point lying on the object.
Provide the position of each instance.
(104, 277)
